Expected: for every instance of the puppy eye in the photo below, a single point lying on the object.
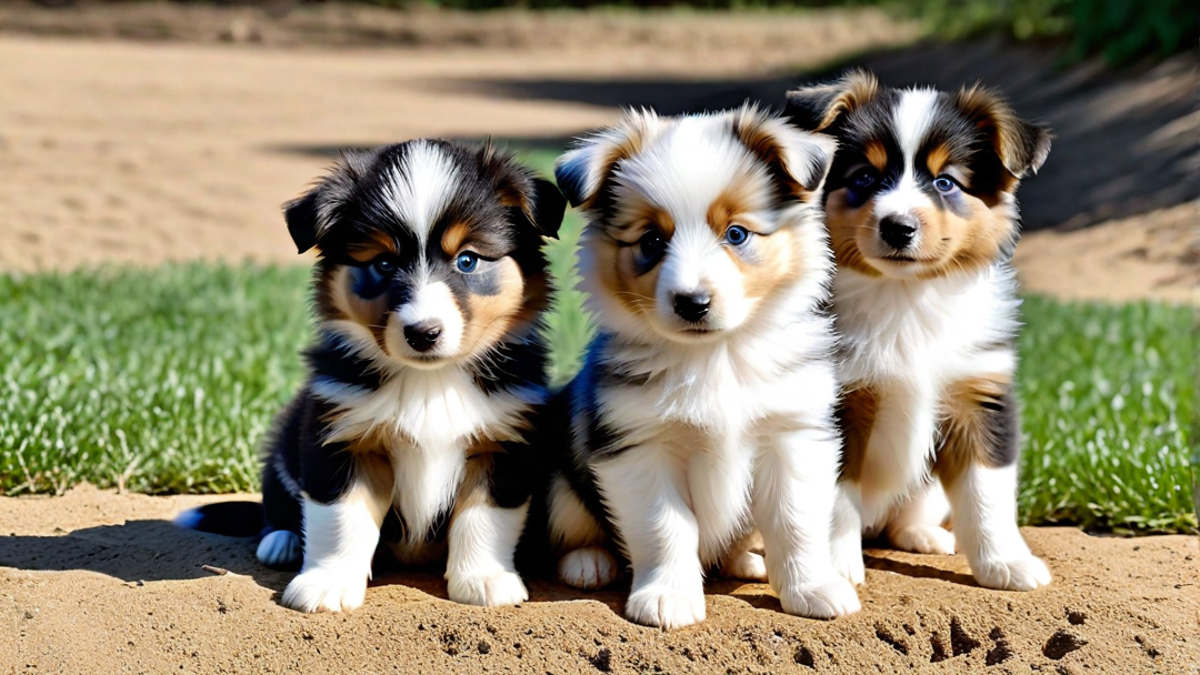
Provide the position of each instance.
(736, 235)
(650, 249)
(944, 184)
(467, 262)
(383, 265)
(864, 179)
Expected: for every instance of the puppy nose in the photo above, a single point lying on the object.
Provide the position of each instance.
(423, 336)
(898, 231)
(692, 307)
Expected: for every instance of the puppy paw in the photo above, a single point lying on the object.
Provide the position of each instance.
(825, 600)
(746, 565)
(324, 590)
(1022, 574)
(487, 590)
(587, 568)
(280, 548)
(929, 539)
(847, 561)
(666, 606)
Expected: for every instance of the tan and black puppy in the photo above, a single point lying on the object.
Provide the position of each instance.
(423, 378)
(923, 218)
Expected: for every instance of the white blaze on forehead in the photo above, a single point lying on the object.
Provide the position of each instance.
(687, 167)
(913, 117)
(419, 188)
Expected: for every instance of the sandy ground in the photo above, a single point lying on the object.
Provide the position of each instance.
(179, 146)
(99, 582)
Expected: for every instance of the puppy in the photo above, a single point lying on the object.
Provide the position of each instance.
(922, 213)
(423, 378)
(705, 408)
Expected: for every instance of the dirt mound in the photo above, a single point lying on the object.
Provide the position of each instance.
(99, 582)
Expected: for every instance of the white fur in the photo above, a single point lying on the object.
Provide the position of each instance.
(909, 340)
(985, 523)
(587, 568)
(571, 525)
(339, 544)
(420, 186)
(480, 570)
(734, 430)
(280, 548)
(431, 302)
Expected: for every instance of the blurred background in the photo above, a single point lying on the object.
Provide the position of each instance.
(152, 305)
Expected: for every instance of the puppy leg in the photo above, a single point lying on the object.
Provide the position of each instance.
(846, 538)
(339, 544)
(977, 464)
(917, 523)
(793, 499)
(643, 489)
(483, 539)
(744, 562)
(587, 564)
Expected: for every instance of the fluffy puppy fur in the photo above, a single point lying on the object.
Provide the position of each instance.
(923, 218)
(705, 408)
(424, 376)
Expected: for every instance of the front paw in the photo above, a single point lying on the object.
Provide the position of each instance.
(746, 565)
(824, 600)
(928, 539)
(320, 590)
(587, 568)
(1022, 574)
(666, 606)
(487, 590)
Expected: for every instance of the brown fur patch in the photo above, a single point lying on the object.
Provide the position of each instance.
(877, 155)
(777, 260)
(937, 158)
(1022, 147)
(966, 436)
(636, 216)
(349, 305)
(847, 227)
(856, 417)
(857, 88)
(454, 237)
(961, 244)
(765, 146)
(493, 316)
(616, 270)
(379, 243)
(474, 488)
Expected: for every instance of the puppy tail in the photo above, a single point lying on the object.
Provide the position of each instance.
(232, 519)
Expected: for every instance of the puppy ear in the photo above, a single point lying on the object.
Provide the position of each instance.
(301, 217)
(549, 205)
(819, 107)
(310, 217)
(583, 171)
(797, 160)
(1021, 146)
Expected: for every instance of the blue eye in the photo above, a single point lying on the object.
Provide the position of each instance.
(863, 180)
(383, 266)
(467, 262)
(944, 184)
(736, 235)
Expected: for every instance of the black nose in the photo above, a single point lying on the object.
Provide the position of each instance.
(423, 336)
(898, 231)
(692, 307)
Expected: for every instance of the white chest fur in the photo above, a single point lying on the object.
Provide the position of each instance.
(427, 420)
(909, 340)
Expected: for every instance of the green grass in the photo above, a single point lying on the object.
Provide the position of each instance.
(165, 380)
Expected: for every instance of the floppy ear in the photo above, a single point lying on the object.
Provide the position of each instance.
(582, 171)
(797, 160)
(310, 217)
(819, 107)
(301, 217)
(548, 207)
(1021, 146)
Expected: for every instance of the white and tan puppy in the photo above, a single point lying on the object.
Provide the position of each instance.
(922, 213)
(705, 409)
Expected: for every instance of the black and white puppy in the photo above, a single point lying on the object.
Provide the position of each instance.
(922, 213)
(423, 378)
(705, 408)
